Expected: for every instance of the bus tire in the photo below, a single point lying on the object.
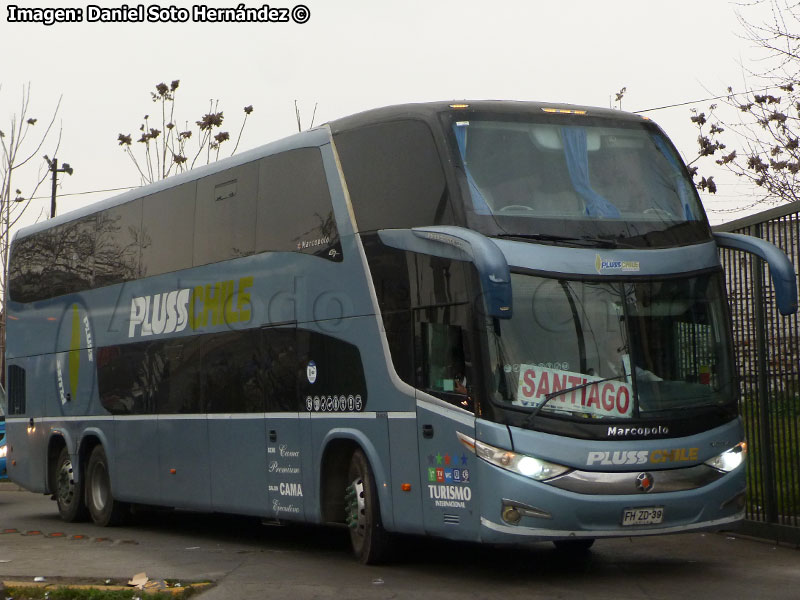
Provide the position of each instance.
(103, 509)
(578, 546)
(370, 541)
(68, 491)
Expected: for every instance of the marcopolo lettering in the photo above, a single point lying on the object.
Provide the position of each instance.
(614, 431)
(222, 302)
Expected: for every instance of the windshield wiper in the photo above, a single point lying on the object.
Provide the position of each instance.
(551, 395)
(584, 240)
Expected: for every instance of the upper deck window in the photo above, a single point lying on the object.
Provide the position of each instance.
(394, 175)
(575, 177)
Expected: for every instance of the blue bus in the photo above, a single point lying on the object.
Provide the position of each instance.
(500, 322)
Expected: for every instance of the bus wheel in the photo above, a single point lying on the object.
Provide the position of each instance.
(68, 492)
(369, 539)
(574, 546)
(103, 509)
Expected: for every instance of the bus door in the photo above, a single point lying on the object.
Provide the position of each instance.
(184, 473)
(444, 407)
(286, 427)
(235, 367)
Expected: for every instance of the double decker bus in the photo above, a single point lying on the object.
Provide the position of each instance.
(501, 322)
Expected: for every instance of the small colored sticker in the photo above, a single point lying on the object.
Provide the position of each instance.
(311, 371)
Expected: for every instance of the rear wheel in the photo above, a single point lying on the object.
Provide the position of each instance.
(103, 509)
(68, 490)
(369, 539)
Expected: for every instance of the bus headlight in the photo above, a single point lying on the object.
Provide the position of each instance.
(730, 459)
(522, 464)
(3, 450)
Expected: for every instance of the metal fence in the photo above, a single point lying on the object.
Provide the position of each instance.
(768, 359)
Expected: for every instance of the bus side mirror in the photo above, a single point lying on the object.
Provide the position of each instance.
(780, 268)
(462, 244)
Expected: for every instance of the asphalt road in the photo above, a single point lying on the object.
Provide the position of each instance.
(250, 560)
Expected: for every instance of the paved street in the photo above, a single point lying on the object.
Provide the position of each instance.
(250, 560)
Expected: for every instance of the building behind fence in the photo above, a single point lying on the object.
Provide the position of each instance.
(767, 349)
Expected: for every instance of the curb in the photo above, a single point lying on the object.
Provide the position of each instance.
(151, 589)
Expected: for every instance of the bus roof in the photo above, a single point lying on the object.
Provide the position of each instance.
(319, 135)
(430, 110)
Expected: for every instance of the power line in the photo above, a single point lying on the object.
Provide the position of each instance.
(84, 193)
(636, 112)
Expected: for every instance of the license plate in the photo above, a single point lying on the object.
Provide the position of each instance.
(651, 515)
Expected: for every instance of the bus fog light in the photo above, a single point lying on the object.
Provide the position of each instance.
(730, 459)
(511, 515)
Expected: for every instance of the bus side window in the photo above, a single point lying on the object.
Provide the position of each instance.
(225, 215)
(394, 175)
(295, 211)
(168, 230)
(442, 364)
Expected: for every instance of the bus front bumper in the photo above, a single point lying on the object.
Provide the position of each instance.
(515, 509)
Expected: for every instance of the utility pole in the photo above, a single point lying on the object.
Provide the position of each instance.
(65, 168)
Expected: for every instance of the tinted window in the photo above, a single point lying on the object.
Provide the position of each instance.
(118, 244)
(184, 372)
(132, 378)
(294, 205)
(225, 218)
(232, 372)
(16, 390)
(394, 176)
(279, 359)
(331, 374)
(53, 262)
(444, 355)
(168, 230)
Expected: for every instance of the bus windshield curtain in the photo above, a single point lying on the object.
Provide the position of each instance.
(576, 153)
(479, 203)
(679, 183)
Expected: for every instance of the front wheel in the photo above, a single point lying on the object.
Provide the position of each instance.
(68, 490)
(103, 509)
(369, 539)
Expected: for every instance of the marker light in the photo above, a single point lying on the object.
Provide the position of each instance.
(730, 459)
(564, 111)
(522, 464)
(459, 106)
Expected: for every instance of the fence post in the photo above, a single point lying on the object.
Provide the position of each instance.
(764, 430)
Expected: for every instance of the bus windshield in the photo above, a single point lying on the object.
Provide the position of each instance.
(613, 350)
(576, 178)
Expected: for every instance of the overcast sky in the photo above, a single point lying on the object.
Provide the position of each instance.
(353, 55)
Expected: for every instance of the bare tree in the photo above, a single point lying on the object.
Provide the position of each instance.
(754, 134)
(21, 145)
(170, 150)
